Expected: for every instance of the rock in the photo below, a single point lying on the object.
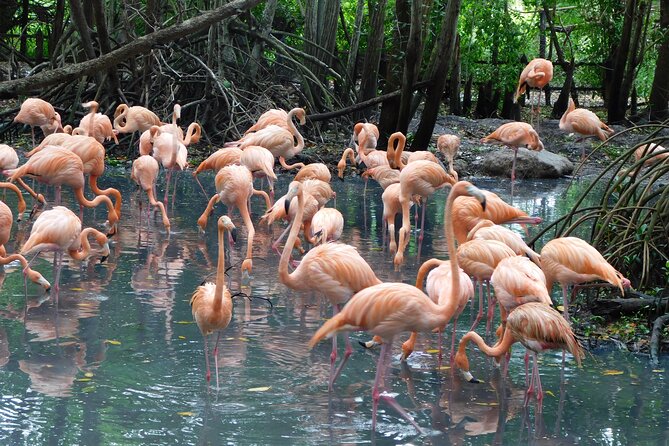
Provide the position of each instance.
(530, 164)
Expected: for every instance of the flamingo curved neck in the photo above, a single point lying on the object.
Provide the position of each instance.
(220, 270)
(21, 202)
(398, 152)
(84, 251)
(284, 276)
(293, 129)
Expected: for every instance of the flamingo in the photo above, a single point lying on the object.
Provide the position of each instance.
(341, 165)
(59, 230)
(439, 289)
(234, 185)
(585, 123)
(218, 160)
(37, 112)
(420, 178)
(654, 153)
(144, 173)
(449, 145)
(572, 261)
(211, 303)
(57, 166)
(6, 218)
(327, 225)
(396, 151)
(366, 135)
(95, 124)
(278, 212)
(333, 269)
(193, 134)
(260, 162)
(170, 152)
(466, 214)
(388, 309)
(535, 325)
(391, 206)
(537, 74)
(275, 116)
(135, 118)
(384, 175)
(487, 230)
(514, 135)
(279, 140)
(8, 157)
(479, 258)
(314, 171)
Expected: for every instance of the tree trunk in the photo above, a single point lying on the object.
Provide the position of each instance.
(57, 28)
(617, 97)
(568, 67)
(467, 96)
(352, 63)
(454, 82)
(265, 29)
(103, 38)
(80, 23)
(659, 93)
(370, 67)
(412, 62)
(441, 63)
(23, 45)
(393, 75)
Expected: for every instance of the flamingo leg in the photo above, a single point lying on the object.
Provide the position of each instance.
(333, 354)
(347, 354)
(207, 375)
(565, 302)
(58, 263)
(455, 323)
(218, 338)
(167, 186)
(480, 313)
(201, 187)
(492, 301)
(439, 340)
(527, 366)
(422, 220)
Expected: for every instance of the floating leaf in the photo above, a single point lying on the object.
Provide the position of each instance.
(259, 389)
(185, 322)
(83, 380)
(633, 376)
(185, 414)
(612, 372)
(229, 339)
(76, 289)
(658, 370)
(244, 339)
(444, 367)
(182, 337)
(487, 404)
(88, 389)
(548, 392)
(112, 342)
(89, 374)
(432, 351)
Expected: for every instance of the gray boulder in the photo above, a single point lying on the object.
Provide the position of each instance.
(529, 164)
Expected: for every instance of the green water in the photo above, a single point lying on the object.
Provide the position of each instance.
(119, 361)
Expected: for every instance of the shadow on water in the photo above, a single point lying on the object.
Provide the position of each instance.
(120, 361)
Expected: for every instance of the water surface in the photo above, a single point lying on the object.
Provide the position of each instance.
(119, 360)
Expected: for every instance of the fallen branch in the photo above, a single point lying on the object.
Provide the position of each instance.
(614, 308)
(142, 45)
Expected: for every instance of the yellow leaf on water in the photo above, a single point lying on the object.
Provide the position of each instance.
(612, 372)
(112, 342)
(83, 380)
(559, 308)
(185, 322)
(76, 289)
(444, 367)
(658, 370)
(259, 389)
(633, 376)
(229, 339)
(432, 351)
(548, 392)
(185, 414)
(487, 404)
(244, 339)
(88, 389)
(182, 337)
(89, 374)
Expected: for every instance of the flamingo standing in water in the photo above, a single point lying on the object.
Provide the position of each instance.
(327, 225)
(585, 123)
(572, 261)
(211, 303)
(6, 219)
(314, 171)
(341, 165)
(218, 160)
(169, 151)
(144, 173)
(366, 136)
(537, 74)
(535, 325)
(388, 309)
(396, 144)
(275, 116)
(95, 124)
(449, 145)
(279, 140)
(133, 119)
(420, 178)
(234, 185)
(487, 230)
(37, 112)
(515, 135)
(57, 166)
(334, 269)
(260, 162)
(59, 230)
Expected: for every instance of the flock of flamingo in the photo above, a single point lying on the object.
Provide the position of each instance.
(486, 253)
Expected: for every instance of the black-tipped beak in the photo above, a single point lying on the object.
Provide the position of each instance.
(47, 290)
(286, 205)
(234, 235)
(111, 233)
(103, 258)
(483, 203)
(341, 178)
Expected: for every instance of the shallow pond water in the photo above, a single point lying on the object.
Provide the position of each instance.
(120, 361)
